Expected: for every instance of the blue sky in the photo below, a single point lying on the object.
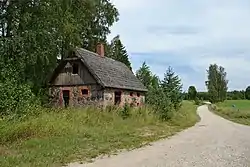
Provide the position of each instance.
(187, 35)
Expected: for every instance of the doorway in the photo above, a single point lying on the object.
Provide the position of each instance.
(66, 98)
(118, 97)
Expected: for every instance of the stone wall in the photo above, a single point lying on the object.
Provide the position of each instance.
(133, 98)
(77, 99)
(96, 96)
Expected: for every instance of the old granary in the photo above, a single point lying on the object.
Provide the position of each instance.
(88, 78)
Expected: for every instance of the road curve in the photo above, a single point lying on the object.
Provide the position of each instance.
(213, 142)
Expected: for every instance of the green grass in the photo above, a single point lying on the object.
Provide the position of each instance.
(239, 114)
(58, 137)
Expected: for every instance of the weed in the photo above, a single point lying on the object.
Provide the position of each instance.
(234, 110)
(56, 137)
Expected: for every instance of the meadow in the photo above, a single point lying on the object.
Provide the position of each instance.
(57, 137)
(234, 110)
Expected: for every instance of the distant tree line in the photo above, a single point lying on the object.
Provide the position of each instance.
(217, 88)
(200, 95)
(231, 95)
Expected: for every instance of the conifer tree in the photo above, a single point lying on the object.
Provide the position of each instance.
(192, 93)
(172, 87)
(117, 51)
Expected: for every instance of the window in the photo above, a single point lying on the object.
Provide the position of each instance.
(138, 94)
(85, 91)
(131, 93)
(75, 68)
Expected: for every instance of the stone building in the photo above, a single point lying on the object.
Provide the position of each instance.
(88, 78)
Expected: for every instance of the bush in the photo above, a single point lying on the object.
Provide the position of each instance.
(16, 99)
(197, 101)
(125, 111)
(162, 104)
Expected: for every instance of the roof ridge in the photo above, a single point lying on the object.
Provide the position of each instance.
(87, 51)
(96, 54)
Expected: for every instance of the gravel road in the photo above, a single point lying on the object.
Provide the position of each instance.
(213, 142)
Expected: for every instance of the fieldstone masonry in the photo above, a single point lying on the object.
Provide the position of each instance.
(96, 96)
(85, 78)
(76, 98)
(131, 97)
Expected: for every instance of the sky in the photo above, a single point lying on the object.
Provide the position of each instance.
(187, 35)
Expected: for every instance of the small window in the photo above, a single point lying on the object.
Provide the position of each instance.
(138, 94)
(85, 91)
(75, 68)
(131, 93)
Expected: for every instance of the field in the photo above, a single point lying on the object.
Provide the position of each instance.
(57, 137)
(240, 113)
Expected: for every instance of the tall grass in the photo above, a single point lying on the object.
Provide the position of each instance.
(57, 137)
(234, 110)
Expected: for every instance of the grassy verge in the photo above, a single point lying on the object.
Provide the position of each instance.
(58, 137)
(240, 113)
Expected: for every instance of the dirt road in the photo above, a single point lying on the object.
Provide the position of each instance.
(213, 142)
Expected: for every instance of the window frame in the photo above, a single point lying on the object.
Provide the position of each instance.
(84, 94)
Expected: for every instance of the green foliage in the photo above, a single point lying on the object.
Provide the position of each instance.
(236, 95)
(172, 87)
(166, 96)
(35, 33)
(161, 102)
(240, 113)
(192, 93)
(58, 137)
(217, 83)
(197, 101)
(146, 77)
(185, 96)
(118, 52)
(247, 93)
(203, 95)
(16, 99)
(184, 117)
(165, 108)
(125, 111)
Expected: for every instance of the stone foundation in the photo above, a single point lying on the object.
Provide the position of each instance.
(96, 96)
(133, 98)
(76, 97)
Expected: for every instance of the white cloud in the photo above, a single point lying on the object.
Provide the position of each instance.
(196, 32)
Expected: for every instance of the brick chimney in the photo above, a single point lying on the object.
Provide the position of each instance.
(100, 49)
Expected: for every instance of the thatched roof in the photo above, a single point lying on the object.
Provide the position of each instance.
(108, 72)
